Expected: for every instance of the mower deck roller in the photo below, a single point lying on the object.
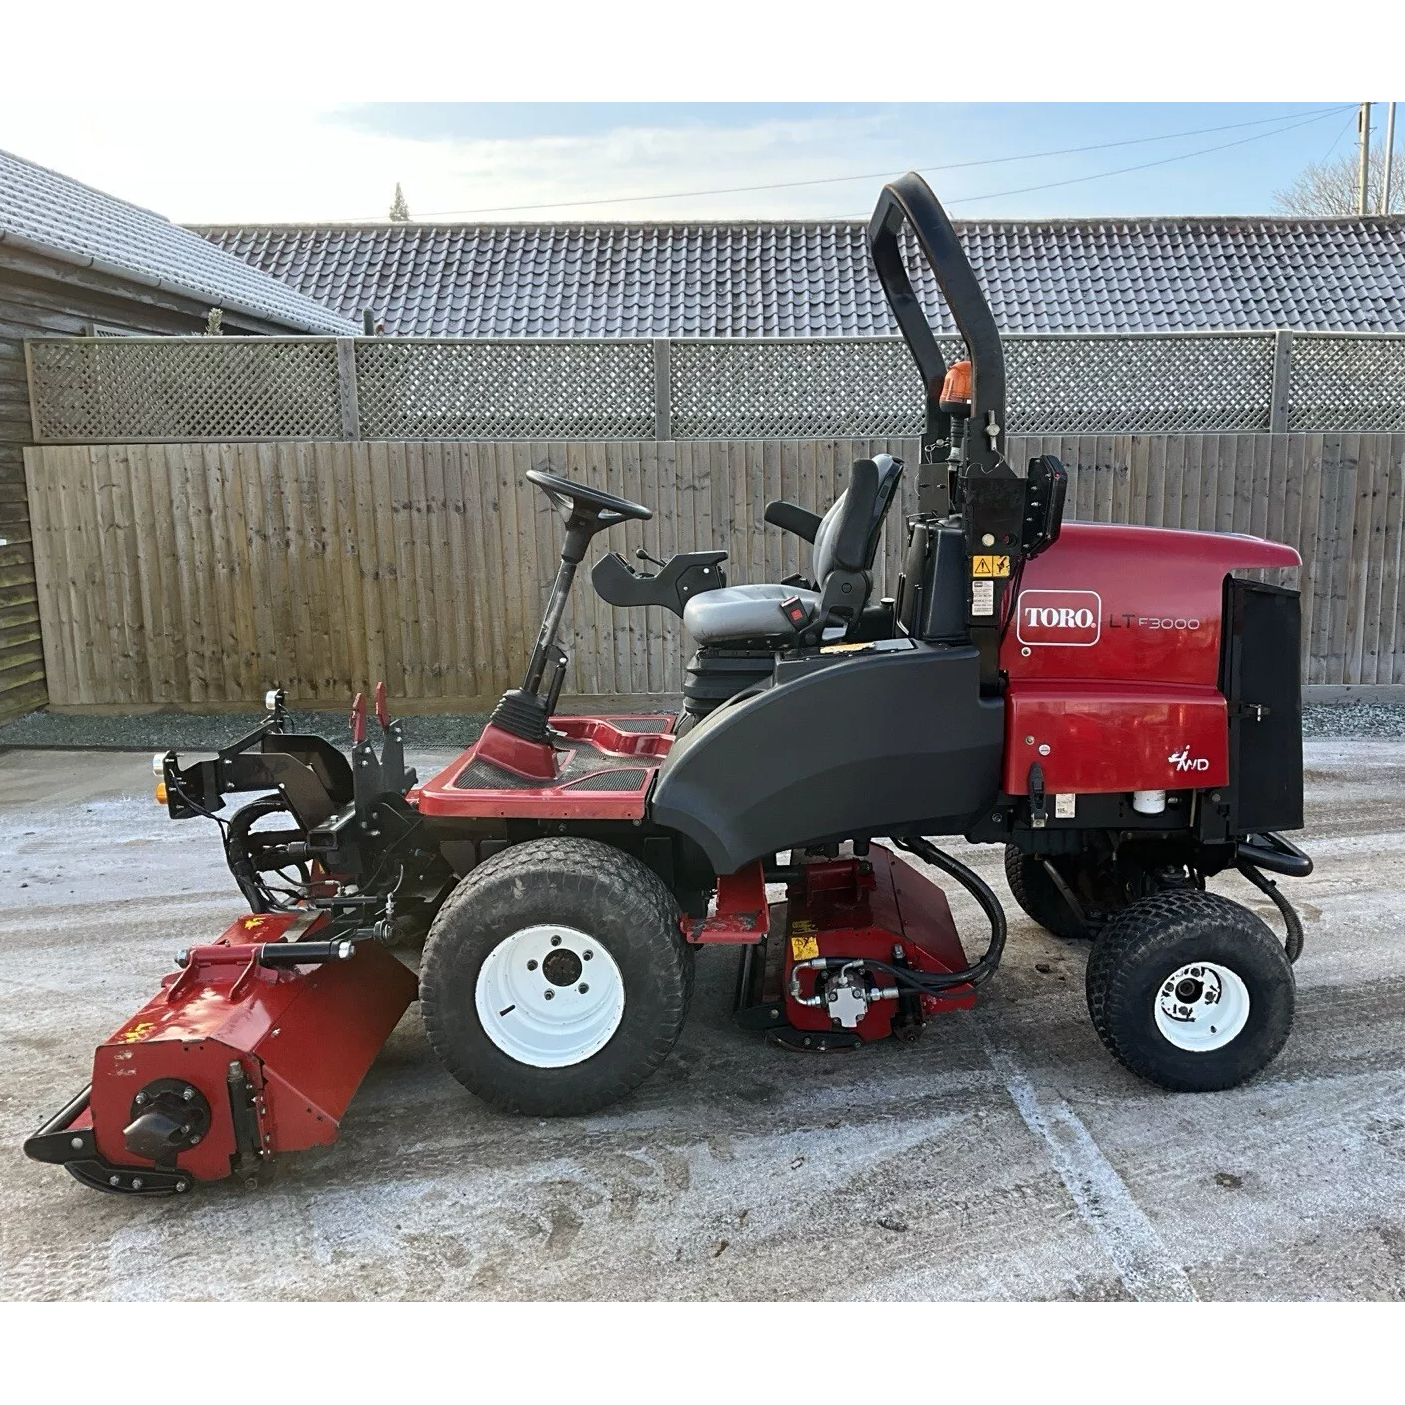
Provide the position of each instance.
(1119, 707)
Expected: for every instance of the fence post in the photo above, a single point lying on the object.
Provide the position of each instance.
(1280, 395)
(663, 390)
(346, 388)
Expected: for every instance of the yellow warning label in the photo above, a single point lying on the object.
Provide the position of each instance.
(804, 948)
(990, 565)
(138, 1032)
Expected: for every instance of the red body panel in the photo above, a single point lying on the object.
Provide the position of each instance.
(835, 909)
(305, 1037)
(1107, 737)
(580, 789)
(1113, 658)
(739, 916)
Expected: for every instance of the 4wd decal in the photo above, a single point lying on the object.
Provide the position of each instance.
(1182, 760)
(1069, 617)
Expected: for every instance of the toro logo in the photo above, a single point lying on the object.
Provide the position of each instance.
(1059, 617)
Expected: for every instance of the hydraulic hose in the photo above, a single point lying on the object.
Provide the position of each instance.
(979, 889)
(236, 851)
(1293, 942)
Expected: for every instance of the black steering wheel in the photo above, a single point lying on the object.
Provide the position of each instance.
(575, 500)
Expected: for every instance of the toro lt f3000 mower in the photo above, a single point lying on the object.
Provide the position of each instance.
(1117, 706)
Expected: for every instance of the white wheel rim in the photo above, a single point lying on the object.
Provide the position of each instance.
(550, 996)
(1202, 1006)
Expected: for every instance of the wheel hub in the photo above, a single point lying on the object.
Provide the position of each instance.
(1202, 1006)
(562, 967)
(550, 996)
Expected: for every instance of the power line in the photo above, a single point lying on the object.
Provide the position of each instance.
(1143, 166)
(1337, 139)
(1313, 115)
(1124, 170)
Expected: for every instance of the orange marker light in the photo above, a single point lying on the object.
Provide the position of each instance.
(956, 388)
(161, 793)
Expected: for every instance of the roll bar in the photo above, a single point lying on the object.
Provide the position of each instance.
(909, 200)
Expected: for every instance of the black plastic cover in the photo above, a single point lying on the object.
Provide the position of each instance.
(1261, 677)
(932, 600)
(682, 576)
(894, 739)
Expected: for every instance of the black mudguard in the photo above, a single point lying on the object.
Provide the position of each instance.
(893, 741)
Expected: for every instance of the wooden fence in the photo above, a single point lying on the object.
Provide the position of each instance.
(198, 574)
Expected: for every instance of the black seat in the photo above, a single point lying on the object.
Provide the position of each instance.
(845, 543)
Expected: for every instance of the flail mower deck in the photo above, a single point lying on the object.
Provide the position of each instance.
(1117, 706)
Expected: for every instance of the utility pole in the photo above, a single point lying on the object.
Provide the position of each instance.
(1389, 157)
(1363, 168)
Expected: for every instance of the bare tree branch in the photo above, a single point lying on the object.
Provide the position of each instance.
(1329, 187)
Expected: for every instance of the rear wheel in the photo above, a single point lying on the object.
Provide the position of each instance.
(1190, 991)
(555, 977)
(1039, 896)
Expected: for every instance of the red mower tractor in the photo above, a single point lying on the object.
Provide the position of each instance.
(1117, 706)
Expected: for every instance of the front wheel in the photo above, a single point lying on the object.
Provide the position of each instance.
(1190, 991)
(555, 977)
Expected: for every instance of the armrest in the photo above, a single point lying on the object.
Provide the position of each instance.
(681, 577)
(791, 518)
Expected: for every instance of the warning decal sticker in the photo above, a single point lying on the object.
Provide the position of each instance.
(990, 566)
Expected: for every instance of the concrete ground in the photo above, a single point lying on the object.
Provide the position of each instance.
(1006, 1154)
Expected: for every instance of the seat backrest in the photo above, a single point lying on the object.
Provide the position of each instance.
(847, 538)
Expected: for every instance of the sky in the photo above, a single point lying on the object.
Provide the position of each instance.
(279, 162)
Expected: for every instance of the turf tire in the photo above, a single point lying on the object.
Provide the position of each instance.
(581, 883)
(1143, 944)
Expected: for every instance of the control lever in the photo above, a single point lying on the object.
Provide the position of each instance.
(642, 555)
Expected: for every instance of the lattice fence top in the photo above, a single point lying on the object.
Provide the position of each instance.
(783, 389)
(109, 389)
(1146, 384)
(505, 389)
(96, 390)
(1348, 383)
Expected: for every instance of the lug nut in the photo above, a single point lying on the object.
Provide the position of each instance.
(586, 955)
(551, 995)
(531, 965)
(582, 987)
(556, 941)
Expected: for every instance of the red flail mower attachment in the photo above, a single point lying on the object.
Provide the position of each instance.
(253, 1047)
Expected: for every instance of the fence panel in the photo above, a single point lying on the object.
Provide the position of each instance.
(195, 575)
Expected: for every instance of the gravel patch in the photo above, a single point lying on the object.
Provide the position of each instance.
(1385, 721)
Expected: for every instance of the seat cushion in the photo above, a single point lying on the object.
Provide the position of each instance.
(741, 612)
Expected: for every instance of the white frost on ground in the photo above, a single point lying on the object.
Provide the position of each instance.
(1018, 1159)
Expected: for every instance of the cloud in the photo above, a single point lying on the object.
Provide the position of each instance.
(256, 163)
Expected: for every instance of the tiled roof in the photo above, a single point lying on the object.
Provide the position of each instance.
(814, 279)
(43, 210)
